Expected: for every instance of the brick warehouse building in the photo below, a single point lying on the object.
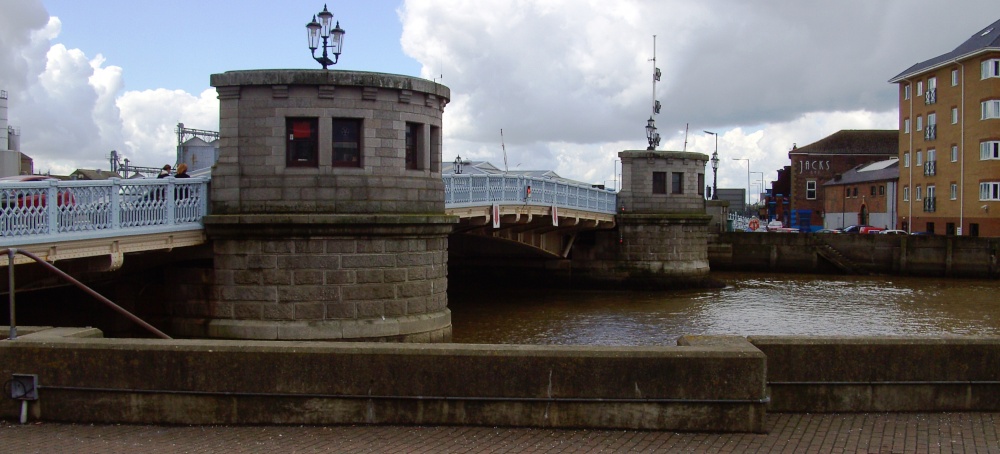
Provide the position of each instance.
(949, 107)
(821, 161)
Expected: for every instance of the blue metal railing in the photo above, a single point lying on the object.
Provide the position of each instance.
(477, 190)
(99, 209)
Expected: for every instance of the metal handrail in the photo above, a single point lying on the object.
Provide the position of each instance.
(10, 252)
(474, 190)
(84, 210)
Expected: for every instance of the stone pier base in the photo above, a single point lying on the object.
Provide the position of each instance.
(324, 277)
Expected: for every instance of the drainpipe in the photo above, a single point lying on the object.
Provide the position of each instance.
(909, 167)
(961, 154)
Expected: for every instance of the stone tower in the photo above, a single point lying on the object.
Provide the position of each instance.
(327, 217)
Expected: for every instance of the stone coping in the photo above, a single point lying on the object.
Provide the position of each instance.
(658, 154)
(316, 330)
(328, 77)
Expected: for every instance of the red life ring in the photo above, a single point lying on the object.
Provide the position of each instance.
(754, 224)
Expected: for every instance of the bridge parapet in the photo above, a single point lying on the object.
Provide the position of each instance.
(97, 210)
(478, 190)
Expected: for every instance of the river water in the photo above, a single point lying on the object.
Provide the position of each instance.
(750, 304)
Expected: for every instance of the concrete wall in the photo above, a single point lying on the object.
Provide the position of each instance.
(864, 374)
(881, 254)
(705, 385)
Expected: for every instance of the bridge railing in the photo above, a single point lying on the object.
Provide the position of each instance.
(476, 190)
(99, 209)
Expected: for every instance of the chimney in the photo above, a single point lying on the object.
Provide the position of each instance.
(4, 142)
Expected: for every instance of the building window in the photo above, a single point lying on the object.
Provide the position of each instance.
(414, 143)
(906, 126)
(346, 142)
(973, 229)
(906, 159)
(931, 155)
(701, 184)
(920, 123)
(677, 183)
(954, 153)
(435, 151)
(847, 192)
(991, 68)
(954, 115)
(989, 190)
(302, 145)
(881, 190)
(920, 158)
(659, 182)
(906, 193)
(953, 192)
(873, 191)
(991, 109)
(989, 150)
(954, 78)
(811, 190)
(906, 92)
(855, 192)
(918, 193)
(920, 88)
(949, 228)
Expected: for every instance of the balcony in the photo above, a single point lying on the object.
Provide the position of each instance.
(930, 168)
(930, 96)
(929, 204)
(930, 133)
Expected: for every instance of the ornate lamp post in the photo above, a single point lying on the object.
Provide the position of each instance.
(651, 135)
(715, 167)
(321, 29)
(458, 165)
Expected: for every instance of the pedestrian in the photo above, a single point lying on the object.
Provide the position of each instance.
(182, 171)
(165, 172)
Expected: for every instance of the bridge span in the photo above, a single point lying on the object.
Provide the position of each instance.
(118, 216)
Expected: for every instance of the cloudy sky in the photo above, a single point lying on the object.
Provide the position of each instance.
(568, 81)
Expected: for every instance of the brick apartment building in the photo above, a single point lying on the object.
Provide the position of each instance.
(822, 161)
(949, 108)
(864, 195)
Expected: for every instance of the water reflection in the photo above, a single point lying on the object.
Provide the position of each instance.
(750, 304)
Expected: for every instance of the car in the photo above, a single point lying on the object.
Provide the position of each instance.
(894, 232)
(850, 229)
(869, 229)
(29, 198)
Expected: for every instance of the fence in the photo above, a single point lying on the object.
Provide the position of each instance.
(476, 190)
(98, 209)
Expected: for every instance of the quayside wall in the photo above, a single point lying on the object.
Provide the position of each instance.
(919, 255)
(705, 383)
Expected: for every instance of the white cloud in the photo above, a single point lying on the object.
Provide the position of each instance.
(569, 81)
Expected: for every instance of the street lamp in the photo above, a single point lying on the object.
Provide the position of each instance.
(651, 135)
(458, 165)
(715, 167)
(321, 29)
(762, 188)
(748, 176)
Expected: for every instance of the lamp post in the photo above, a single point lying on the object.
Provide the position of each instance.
(651, 135)
(762, 189)
(715, 167)
(458, 165)
(748, 176)
(321, 29)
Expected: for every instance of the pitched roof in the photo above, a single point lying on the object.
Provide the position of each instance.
(855, 142)
(987, 39)
(89, 174)
(876, 171)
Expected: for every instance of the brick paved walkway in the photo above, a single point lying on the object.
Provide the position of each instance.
(791, 433)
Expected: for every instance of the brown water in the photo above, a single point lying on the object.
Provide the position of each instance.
(751, 304)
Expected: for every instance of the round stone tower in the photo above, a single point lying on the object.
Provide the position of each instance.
(327, 209)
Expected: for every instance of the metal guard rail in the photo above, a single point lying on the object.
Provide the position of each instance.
(477, 190)
(99, 209)
(11, 291)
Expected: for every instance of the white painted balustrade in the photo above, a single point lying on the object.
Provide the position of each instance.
(478, 190)
(99, 209)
